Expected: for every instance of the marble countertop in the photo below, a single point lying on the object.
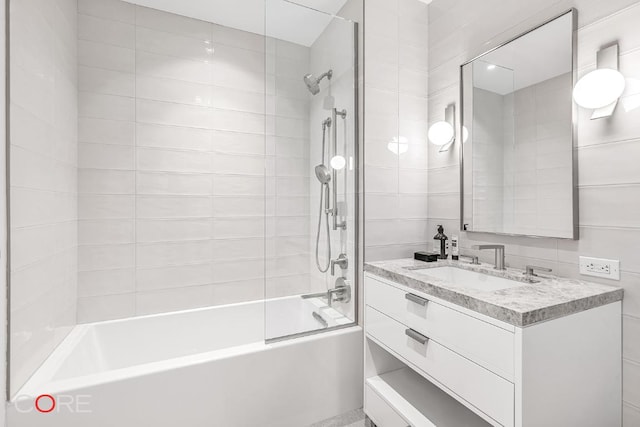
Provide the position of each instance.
(551, 297)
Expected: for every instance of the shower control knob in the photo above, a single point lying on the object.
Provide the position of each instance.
(341, 262)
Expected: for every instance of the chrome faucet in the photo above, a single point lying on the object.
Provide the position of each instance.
(473, 260)
(499, 260)
(341, 262)
(530, 272)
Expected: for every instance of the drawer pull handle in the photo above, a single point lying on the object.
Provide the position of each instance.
(416, 336)
(416, 299)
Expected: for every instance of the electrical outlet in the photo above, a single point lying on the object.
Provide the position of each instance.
(598, 267)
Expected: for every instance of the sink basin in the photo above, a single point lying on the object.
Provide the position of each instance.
(469, 279)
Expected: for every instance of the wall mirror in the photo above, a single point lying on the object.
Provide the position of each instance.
(518, 166)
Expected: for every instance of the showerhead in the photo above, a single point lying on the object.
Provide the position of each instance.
(323, 174)
(313, 83)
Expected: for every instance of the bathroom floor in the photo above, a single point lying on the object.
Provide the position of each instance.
(349, 419)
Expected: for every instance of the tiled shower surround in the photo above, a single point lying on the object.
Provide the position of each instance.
(173, 201)
(43, 180)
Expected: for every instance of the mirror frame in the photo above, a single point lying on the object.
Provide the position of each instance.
(574, 129)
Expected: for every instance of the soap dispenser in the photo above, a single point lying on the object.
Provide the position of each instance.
(443, 241)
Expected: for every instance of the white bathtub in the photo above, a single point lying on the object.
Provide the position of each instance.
(206, 367)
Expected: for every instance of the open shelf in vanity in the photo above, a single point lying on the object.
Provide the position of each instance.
(421, 403)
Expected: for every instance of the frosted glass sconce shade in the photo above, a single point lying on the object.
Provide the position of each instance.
(600, 89)
(443, 133)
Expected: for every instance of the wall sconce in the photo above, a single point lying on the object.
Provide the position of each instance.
(600, 89)
(443, 133)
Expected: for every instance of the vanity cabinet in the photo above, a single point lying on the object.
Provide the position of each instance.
(430, 362)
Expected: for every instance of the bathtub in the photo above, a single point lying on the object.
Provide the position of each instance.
(205, 367)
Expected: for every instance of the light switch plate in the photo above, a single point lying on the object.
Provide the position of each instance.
(598, 267)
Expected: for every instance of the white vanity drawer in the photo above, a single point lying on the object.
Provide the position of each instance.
(486, 391)
(482, 342)
(380, 411)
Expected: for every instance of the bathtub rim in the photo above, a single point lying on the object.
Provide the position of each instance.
(41, 381)
(30, 391)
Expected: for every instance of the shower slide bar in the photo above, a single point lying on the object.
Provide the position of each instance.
(334, 116)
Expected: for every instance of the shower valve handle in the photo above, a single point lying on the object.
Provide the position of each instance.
(342, 262)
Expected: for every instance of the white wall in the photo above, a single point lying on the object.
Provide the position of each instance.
(43, 180)
(173, 155)
(3, 218)
(609, 177)
(395, 106)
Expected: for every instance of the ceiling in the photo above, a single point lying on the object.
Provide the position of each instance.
(284, 20)
(538, 56)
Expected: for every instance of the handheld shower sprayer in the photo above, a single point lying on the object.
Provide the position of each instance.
(322, 171)
(323, 174)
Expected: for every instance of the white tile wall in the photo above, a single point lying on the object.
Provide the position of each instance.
(43, 181)
(174, 148)
(609, 197)
(396, 41)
